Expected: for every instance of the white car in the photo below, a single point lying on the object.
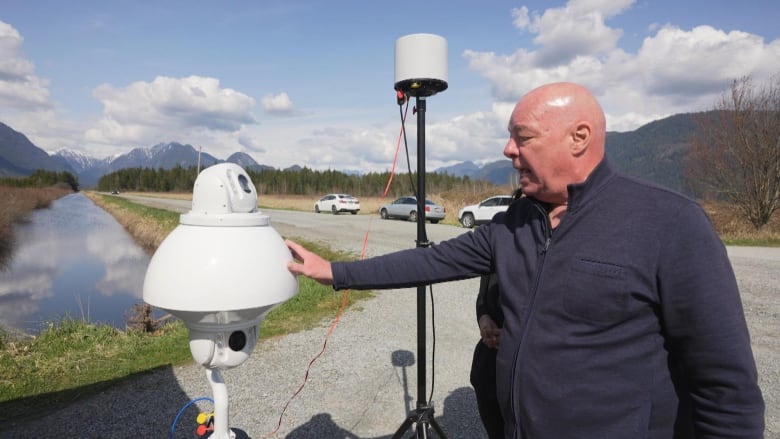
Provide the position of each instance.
(337, 203)
(483, 212)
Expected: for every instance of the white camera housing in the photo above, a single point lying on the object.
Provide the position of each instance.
(421, 64)
(222, 269)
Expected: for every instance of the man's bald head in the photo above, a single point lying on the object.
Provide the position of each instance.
(557, 137)
(566, 104)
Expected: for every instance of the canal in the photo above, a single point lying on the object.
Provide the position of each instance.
(71, 260)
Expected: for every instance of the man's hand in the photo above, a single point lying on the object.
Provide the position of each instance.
(489, 331)
(311, 265)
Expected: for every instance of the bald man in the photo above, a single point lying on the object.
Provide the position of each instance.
(622, 316)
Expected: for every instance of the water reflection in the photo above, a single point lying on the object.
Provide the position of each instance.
(71, 259)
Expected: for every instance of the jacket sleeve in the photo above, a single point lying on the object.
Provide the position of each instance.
(482, 306)
(706, 330)
(465, 256)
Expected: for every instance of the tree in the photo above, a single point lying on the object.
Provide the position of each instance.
(735, 151)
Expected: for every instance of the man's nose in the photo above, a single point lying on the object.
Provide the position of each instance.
(510, 149)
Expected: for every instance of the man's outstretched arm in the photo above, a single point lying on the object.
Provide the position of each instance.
(310, 265)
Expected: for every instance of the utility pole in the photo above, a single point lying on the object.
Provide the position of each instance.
(199, 150)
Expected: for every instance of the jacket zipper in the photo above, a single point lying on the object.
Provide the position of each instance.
(547, 239)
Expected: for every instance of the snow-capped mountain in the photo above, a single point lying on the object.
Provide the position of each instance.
(163, 155)
(76, 160)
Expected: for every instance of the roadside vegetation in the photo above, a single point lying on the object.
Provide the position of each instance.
(735, 155)
(15, 204)
(731, 225)
(735, 229)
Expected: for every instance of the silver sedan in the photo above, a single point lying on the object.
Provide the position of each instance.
(406, 208)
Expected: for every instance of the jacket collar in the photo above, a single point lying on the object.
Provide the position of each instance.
(581, 193)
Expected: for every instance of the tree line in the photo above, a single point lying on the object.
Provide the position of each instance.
(303, 181)
(43, 178)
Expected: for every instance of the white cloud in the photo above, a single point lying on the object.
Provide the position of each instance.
(345, 147)
(20, 89)
(574, 30)
(250, 141)
(674, 70)
(486, 133)
(702, 60)
(147, 112)
(279, 104)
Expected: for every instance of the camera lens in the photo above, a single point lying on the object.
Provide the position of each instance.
(237, 340)
(244, 182)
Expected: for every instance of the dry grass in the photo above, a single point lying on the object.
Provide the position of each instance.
(731, 228)
(147, 229)
(15, 204)
(734, 229)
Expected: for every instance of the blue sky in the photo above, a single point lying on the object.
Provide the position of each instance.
(310, 82)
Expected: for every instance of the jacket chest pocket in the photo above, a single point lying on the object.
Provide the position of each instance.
(597, 291)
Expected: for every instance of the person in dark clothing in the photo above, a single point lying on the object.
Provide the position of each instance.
(483, 366)
(490, 318)
(622, 315)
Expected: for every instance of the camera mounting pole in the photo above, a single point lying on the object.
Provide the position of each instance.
(421, 71)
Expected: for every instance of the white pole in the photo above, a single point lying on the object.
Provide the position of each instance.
(221, 420)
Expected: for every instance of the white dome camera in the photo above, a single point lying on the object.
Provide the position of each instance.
(221, 271)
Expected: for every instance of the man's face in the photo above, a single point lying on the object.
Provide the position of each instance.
(538, 148)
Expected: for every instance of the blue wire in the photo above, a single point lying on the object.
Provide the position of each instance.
(181, 411)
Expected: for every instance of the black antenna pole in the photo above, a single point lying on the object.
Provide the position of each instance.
(422, 417)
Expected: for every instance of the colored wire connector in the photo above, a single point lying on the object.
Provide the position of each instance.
(181, 411)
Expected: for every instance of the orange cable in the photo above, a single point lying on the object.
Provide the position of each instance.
(345, 294)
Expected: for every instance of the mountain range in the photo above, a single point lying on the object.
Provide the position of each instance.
(20, 157)
(654, 151)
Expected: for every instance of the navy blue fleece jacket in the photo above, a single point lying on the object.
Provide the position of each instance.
(623, 322)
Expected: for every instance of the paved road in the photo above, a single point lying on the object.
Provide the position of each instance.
(366, 381)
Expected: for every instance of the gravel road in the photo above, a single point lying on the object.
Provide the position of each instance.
(365, 382)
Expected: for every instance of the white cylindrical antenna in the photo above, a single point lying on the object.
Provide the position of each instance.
(421, 64)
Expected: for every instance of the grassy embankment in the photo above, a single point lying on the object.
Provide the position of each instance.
(73, 358)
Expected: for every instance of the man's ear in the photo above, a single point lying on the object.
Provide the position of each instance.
(580, 138)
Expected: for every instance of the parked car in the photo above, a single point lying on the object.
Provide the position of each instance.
(483, 212)
(337, 203)
(406, 208)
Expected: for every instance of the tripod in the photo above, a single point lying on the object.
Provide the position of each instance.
(422, 417)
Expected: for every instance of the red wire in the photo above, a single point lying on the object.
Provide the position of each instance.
(345, 294)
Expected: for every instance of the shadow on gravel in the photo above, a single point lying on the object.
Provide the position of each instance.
(141, 405)
(152, 404)
(458, 419)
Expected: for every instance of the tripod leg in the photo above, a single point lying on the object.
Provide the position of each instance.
(405, 426)
(437, 428)
(422, 419)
